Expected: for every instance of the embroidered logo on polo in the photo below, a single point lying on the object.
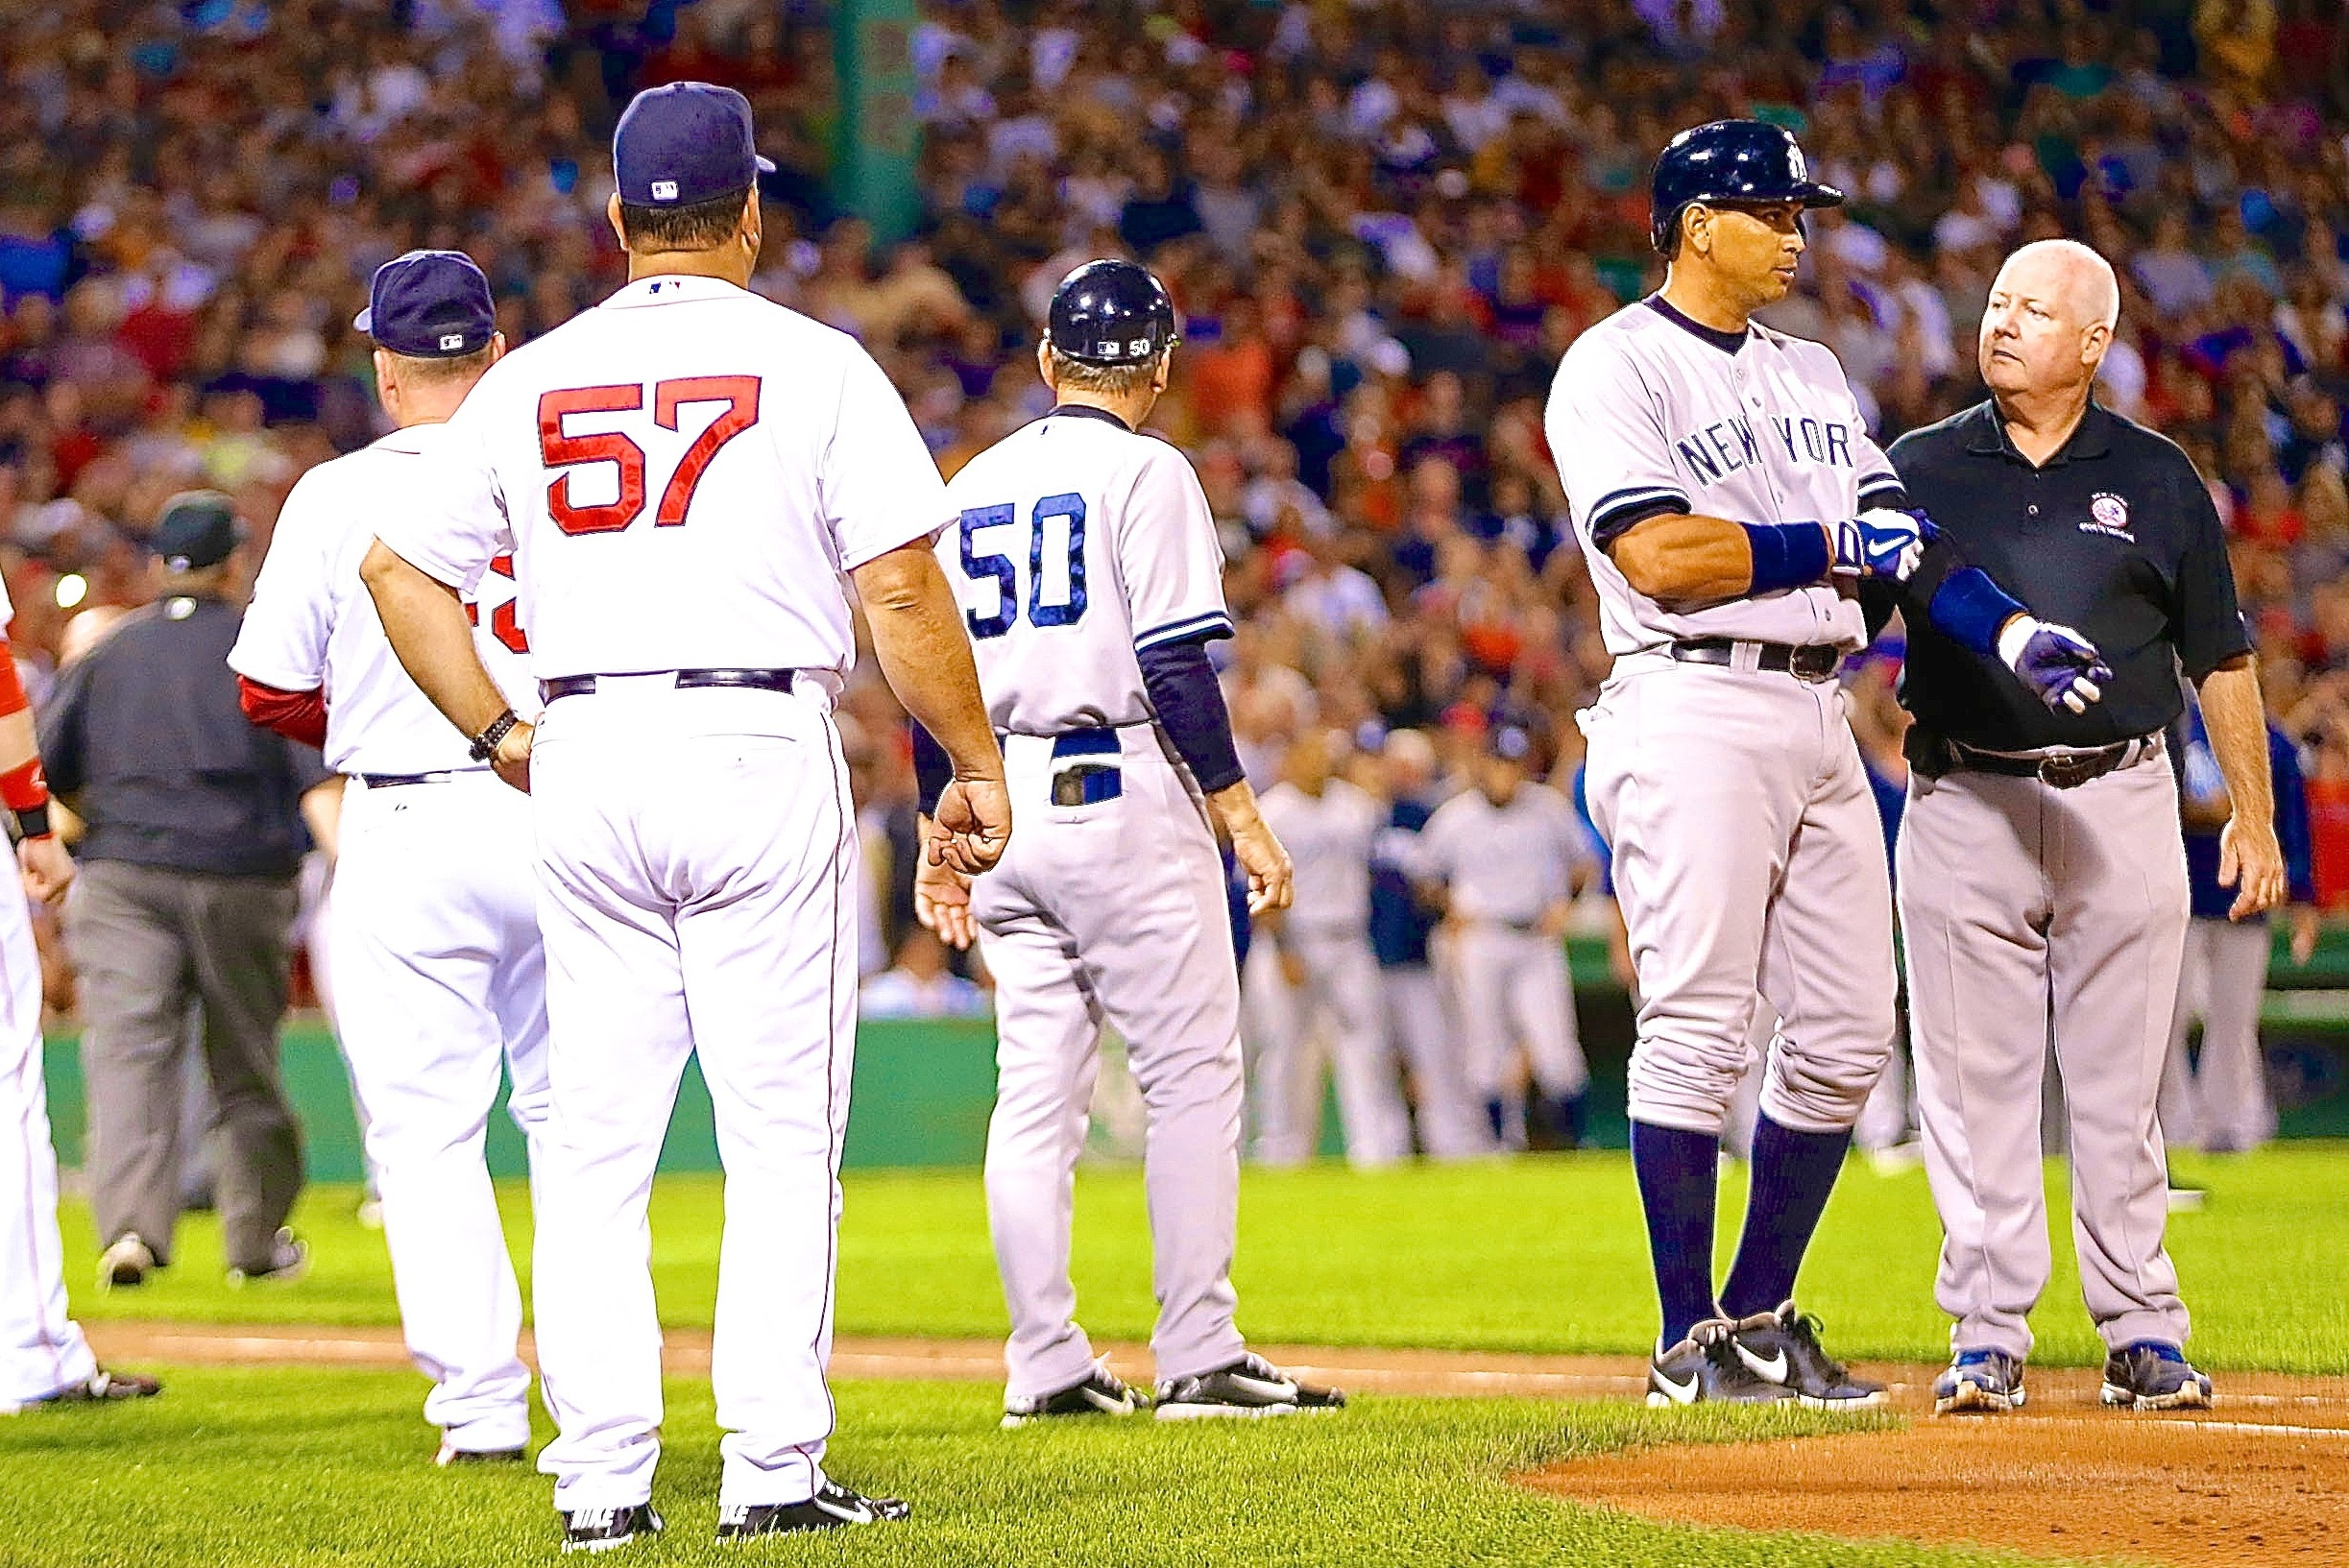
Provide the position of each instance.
(2108, 515)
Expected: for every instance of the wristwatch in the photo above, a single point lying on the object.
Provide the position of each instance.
(485, 744)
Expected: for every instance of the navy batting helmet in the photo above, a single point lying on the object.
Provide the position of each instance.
(1111, 313)
(1730, 160)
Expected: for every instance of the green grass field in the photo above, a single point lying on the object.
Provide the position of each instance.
(297, 1467)
(302, 1466)
(1542, 1254)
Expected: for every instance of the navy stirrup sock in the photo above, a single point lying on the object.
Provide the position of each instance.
(1793, 1174)
(1678, 1173)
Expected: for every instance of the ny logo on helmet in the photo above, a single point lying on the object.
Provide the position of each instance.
(1794, 160)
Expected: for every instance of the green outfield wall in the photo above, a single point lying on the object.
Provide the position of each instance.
(922, 1089)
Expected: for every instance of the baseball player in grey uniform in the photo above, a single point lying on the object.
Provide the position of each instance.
(1508, 853)
(1091, 581)
(1730, 500)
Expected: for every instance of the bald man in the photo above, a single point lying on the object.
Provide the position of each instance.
(2041, 888)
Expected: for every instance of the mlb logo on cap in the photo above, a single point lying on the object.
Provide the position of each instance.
(429, 305)
(684, 143)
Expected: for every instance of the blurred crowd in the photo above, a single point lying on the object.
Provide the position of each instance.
(1382, 222)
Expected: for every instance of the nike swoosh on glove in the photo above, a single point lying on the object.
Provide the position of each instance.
(1883, 541)
(2055, 662)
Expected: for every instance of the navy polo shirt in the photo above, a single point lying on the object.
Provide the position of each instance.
(2114, 536)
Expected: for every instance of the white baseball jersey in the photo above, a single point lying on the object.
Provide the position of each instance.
(313, 623)
(1504, 863)
(41, 1347)
(1329, 840)
(669, 522)
(1652, 414)
(1079, 542)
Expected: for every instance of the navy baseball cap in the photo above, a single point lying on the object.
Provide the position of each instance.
(429, 305)
(198, 528)
(684, 143)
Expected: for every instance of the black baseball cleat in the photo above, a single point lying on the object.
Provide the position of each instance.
(608, 1530)
(2154, 1375)
(1101, 1392)
(1980, 1382)
(834, 1507)
(1783, 1347)
(1706, 1369)
(100, 1387)
(451, 1454)
(1250, 1387)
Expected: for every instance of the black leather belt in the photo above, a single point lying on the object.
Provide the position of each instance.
(2067, 770)
(754, 680)
(1805, 661)
(393, 780)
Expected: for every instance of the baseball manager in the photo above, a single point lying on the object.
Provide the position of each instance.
(2041, 879)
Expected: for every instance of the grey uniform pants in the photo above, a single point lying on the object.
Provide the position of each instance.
(2221, 1105)
(2022, 903)
(148, 944)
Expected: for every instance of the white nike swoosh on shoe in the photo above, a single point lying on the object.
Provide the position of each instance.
(1271, 1392)
(1680, 1393)
(858, 1515)
(1772, 1369)
(1107, 1406)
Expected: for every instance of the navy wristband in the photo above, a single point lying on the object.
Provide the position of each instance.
(1786, 555)
(1970, 609)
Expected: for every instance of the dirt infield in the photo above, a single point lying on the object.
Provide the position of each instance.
(2263, 1478)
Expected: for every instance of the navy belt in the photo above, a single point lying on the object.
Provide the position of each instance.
(1805, 661)
(1083, 783)
(393, 780)
(753, 680)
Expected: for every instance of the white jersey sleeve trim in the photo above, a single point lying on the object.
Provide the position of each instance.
(1203, 628)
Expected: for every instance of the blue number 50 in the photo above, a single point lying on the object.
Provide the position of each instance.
(978, 564)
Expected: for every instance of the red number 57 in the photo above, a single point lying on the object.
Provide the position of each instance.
(563, 451)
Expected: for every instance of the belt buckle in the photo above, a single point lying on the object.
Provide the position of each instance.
(1815, 667)
(2072, 772)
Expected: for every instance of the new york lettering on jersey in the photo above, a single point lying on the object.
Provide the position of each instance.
(1078, 541)
(1652, 413)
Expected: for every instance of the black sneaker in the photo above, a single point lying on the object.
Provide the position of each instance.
(1783, 1347)
(608, 1530)
(2154, 1375)
(1705, 1369)
(1250, 1387)
(1981, 1382)
(100, 1387)
(834, 1507)
(1101, 1392)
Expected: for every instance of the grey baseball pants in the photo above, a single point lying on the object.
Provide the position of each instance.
(149, 943)
(2022, 903)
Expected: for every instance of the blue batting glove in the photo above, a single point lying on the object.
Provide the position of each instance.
(2057, 662)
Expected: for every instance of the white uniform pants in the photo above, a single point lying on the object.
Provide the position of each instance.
(1452, 1124)
(699, 865)
(1514, 989)
(2022, 902)
(1112, 912)
(433, 933)
(42, 1349)
(2222, 1105)
(1339, 993)
(1748, 857)
(1883, 1122)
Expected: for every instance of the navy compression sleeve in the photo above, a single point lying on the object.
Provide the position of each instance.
(932, 769)
(1182, 687)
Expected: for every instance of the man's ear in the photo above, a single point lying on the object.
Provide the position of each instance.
(611, 212)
